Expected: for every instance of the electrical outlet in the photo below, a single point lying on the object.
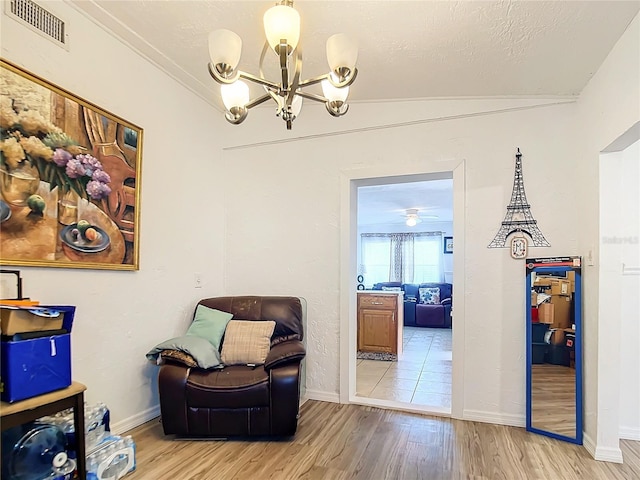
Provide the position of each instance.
(197, 280)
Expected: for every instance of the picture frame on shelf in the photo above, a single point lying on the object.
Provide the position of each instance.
(448, 245)
(70, 175)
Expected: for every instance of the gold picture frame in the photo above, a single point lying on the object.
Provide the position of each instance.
(69, 178)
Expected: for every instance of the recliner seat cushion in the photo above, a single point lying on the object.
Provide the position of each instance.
(236, 386)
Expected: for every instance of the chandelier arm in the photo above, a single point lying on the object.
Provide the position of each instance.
(296, 76)
(328, 76)
(312, 96)
(268, 84)
(313, 81)
(284, 69)
(219, 78)
(258, 101)
(346, 82)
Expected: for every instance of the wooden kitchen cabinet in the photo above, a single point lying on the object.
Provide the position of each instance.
(378, 322)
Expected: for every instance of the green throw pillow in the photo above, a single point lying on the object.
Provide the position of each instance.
(199, 348)
(209, 323)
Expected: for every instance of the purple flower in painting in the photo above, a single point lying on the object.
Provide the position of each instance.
(90, 164)
(97, 190)
(101, 176)
(61, 157)
(75, 168)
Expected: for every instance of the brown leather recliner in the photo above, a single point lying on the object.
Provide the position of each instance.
(240, 400)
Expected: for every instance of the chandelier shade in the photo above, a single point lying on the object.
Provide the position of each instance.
(334, 94)
(235, 94)
(225, 48)
(282, 22)
(342, 54)
(282, 32)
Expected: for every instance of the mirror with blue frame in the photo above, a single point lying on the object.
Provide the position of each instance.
(554, 347)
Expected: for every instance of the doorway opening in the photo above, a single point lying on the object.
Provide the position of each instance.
(403, 238)
(619, 280)
(427, 374)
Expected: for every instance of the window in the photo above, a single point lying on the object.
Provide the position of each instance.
(402, 257)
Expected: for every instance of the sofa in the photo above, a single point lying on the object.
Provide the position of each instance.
(420, 314)
(434, 309)
(240, 399)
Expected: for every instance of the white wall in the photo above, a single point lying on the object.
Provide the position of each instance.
(628, 233)
(121, 315)
(620, 224)
(608, 106)
(269, 250)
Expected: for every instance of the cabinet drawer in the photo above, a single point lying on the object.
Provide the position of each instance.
(380, 301)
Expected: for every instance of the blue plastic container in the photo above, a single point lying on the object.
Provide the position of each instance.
(39, 365)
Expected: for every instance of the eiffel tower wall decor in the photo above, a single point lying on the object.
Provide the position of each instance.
(518, 220)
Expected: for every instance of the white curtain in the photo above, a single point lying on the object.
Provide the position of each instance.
(375, 255)
(402, 257)
(428, 259)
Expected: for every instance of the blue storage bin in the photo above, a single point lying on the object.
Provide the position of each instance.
(538, 352)
(538, 330)
(36, 366)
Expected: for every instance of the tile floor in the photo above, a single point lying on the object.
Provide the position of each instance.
(422, 375)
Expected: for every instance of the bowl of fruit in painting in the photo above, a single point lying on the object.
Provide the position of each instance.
(84, 237)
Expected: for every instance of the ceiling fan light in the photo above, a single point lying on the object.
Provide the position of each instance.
(234, 94)
(282, 22)
(342, 52)
(412, 221)
(225, 48)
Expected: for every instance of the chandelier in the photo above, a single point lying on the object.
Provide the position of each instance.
(282, 29)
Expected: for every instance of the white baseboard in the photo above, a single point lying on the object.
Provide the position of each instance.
(135, 420)
(608, 454)
(602, 454)
(589, 444)
(630, 433)
(510, 420)
(322, 396)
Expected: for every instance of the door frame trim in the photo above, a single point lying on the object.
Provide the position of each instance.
(349, 183)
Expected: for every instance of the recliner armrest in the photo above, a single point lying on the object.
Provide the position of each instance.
(283, 353)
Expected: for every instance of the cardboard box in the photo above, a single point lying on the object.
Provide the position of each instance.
(557, 312)
(571, 276)
(562, 311)
(546, 313)
(554, 286)
(29, 319)
(39, 365)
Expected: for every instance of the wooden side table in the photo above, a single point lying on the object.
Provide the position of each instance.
(13, 414)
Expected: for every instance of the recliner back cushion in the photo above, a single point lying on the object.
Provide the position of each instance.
(285, 311)
(429, 295)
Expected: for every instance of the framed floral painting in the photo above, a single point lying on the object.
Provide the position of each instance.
(69, 178)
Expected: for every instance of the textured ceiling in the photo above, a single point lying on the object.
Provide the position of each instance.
(388, 204)
(407, 49)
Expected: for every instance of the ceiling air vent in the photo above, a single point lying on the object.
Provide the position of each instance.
(41, 20)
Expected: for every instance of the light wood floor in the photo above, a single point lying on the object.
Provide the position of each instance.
(355, 442)
(553, 399)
